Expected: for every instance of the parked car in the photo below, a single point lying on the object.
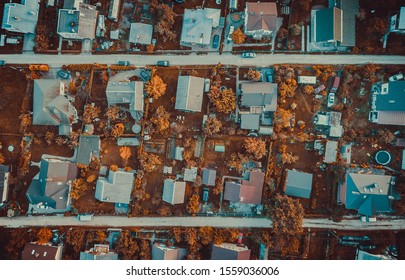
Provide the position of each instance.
(231, 29)
(205, 194)
(270, 75)
(2, 62)
(207, 84)
(319, 89)
(123, 63)
(145, 76)
(396, 77)
(331, 99)
(215, 42)
(163, 63)
(368, 219)
(248, 55)
(64, 74)
(179, 1)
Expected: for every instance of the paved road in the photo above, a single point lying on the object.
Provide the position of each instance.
(119, 221)
(193, 59)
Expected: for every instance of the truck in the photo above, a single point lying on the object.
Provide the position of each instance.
(39, 67)
(335, 84)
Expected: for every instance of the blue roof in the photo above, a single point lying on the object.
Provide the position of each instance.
(394, 100)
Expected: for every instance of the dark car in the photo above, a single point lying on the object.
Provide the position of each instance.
(2, 62)
(205, 194)
(145, 76)
(248, 55)
(163, 63)
(215, 42)
(123, 63)
(269, 75)
(64, 74)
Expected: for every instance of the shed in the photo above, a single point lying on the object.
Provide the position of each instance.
(190, 174)
(128, 141)
(298, 184)
(209, 176)
(173, 191)
(331, 151)
(219, 148)
(311, 80)
(250, 121)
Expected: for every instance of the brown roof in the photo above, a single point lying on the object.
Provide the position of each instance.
(261, 16)
(34, 251)
(250, 191)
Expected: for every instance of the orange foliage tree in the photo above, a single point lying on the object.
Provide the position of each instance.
(112, 112)
(212, 126)
(44, 235)
(150, 48)
(125, 154)
(90, 113)
(224, 101)
(117, 130)
(155, 87)
(282, 119)
(307, 89)
(206, 235)
(193, 204)
(254, 75)
(236, 161)
(149, 162)
(238, 37)
(160, 120)
(255, 146)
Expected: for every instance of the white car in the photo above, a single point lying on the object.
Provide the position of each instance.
(331, 99)
(231, 29)
(396, 77)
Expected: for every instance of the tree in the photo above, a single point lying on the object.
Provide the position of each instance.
(238, 37)
(75, 240)
(160, 120)
(206, 235)
(49, 136)
(236, 161)
(287, 88)
(126, 246)
(193, 204)
(282, 119)
(114, 168)
(2, 158)
(308, 89)
(165, 21)
(125, 154)
(90, 112)
(41, 41)
(73, 139)
(164, 211)
(144, 252)
(254, 75)
(117, 130)
(150, 48)
(224, 101)
(386, 136)
(78, 187)
(44, 235)
(295, 29)
(287, 158)
(101, 236)
(212, 126)
(176, 233)
(282, 33)
(255, 146)
(155, 87)
(149, 162)
(112, 112)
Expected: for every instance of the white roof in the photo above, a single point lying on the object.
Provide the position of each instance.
(189, 95)
(331, 151)
(173, 191)
(141, 33)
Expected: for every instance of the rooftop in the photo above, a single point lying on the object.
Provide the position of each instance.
(22, 17)
(89, 147)
(259, 94)
(261, 16)
(174, 191)
(117, 188)
(298, 184)
(140, 33)
(230, 251)
(34, 251)
(189, 95)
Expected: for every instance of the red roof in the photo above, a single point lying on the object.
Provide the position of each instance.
(250, 191)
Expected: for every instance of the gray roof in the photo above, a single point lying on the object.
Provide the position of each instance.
(189, 95)
(401, 20)
(71, 4)
(368, 193)
(99, 252)
(350, 10)
(259, 94)
(22, 17)
(198, 24)
(331, 151)
(209, 176)
(394, 100)
(298, 184)
(4, 170)
(117, 188)
(174, 191)
(51, 185)
(126, 93)
(50, 106)
(89, 146)
(141, 33)
(163, 252)
(249, 121)
(78, 24)
(230, 251)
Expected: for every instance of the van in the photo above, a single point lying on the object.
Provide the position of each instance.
(335, 84)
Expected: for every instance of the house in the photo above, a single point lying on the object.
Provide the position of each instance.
(72, 4)
(161, 251)
(21, 18)
(4, 174)
(331, 149)
(140, 33)
(51, 186)
(397, 23)
(52, 107)
(261, 20)
(230, 251)
(173, 191)
(198, 25)
(248, 191)
(336, 24)
(369, 194)
(35, 251)
(366, 256)
(259, 97)
(298, 184)
(388, 104)
(89, 147)
(127, 93)
(209, 176)
(189, 94)
(78, 24)
(99, 252)
(116, 188)
(190, 174)
(114, 11)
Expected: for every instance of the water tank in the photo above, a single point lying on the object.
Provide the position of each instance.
(383, 157)
(136, 128)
